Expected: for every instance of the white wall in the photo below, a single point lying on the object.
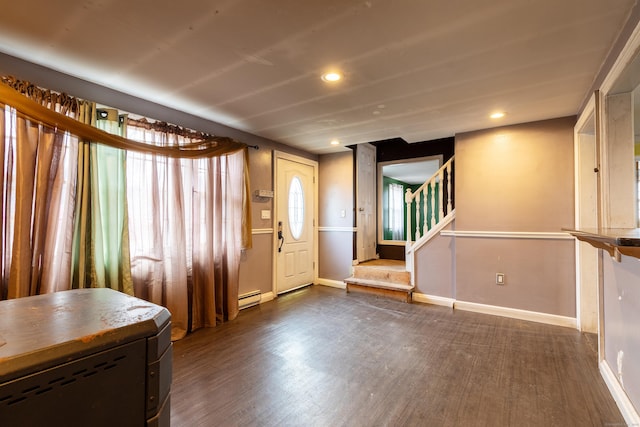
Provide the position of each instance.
(622, 322)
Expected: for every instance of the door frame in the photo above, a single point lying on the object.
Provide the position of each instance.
(274, 259)
(587, 156)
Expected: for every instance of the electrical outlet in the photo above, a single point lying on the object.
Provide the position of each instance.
(499, 278)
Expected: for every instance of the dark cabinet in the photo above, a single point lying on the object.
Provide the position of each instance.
(84, 357)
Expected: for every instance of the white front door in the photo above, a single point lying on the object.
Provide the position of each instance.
(366, 199)
(295, 209)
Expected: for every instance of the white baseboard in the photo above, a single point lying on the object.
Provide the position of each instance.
(433, 299)
(331, 283)
(533, 316)
(267, 296)
(628, 411)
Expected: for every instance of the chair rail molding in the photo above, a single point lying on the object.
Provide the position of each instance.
(338, 229)
(256, 231)
(538, 235)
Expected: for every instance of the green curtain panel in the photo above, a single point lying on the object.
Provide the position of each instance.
(101, 239)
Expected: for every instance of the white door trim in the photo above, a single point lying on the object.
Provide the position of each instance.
(312, 163)
(586, 158)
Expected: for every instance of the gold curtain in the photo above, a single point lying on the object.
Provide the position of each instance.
(36, 201)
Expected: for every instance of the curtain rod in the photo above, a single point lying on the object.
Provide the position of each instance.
(26, 88)
(168, 127)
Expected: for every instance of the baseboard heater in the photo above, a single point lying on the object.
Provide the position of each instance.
(249, 299)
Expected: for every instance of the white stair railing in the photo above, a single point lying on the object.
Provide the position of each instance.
(427, 206)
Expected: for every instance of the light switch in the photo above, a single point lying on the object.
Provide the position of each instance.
(265, 214)
(343, 213)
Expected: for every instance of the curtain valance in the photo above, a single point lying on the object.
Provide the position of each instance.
(25, 98)
(211, 147)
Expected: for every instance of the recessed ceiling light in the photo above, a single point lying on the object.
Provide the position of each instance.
(335, 142)
(497, 115)
(332, 76)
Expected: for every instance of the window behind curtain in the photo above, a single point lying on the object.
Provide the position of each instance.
(396, 211)
(181, 231)
(51, 207)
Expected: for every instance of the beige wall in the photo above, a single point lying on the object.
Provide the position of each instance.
(336, 252)
(256, 265)
(434, 266)
(516, 179)
(539, 274)
(335, 188)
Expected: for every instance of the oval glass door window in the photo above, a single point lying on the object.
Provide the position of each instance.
(296, 208)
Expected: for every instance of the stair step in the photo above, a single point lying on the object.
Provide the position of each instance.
(383, 277)
(396, 275)
(383, 284)
(397, 291)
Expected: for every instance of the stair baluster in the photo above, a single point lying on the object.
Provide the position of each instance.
(449, 184)
(408, 198)
(418, 214)
(441, 196)
(425, 210)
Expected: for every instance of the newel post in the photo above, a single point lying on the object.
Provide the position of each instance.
(408, 198)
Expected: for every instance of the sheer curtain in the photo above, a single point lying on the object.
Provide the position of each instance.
(185, 217)
(396, 211)
(37, 202)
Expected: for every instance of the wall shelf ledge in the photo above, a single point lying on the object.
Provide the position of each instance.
(616, 241)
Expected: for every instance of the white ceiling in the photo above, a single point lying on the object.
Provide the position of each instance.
(413, 171)
(414, 69)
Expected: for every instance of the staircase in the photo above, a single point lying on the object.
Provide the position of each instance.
(429, 209)
(388, 278)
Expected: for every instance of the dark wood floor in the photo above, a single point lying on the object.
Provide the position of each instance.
(321, 357)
